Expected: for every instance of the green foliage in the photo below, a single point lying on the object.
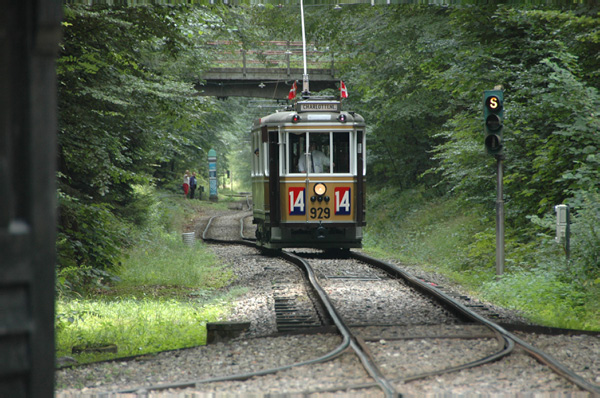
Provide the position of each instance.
(438, 236)
(419, 228)
(158, 302)
(585, 232)
(90, 235)
(159, 298)
(389, 76)
(545, 297)
(129, 116)
(422, 94)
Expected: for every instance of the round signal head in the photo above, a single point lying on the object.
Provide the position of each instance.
(493, 122)
(320, 189)
(493, 103)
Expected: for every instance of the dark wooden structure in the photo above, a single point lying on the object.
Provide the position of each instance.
(29, 35)
(273, 83)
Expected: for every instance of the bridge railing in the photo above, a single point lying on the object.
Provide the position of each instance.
(270, 54)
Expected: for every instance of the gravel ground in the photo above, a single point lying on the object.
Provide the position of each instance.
(406, 342)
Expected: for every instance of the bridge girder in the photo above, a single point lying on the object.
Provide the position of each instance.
(272, 83)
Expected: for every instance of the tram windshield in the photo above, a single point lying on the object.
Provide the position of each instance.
(318, 153)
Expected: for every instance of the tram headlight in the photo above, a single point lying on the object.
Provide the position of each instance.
(320, 189)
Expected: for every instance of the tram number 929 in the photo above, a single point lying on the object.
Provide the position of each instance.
(320, 213)
(297, 204)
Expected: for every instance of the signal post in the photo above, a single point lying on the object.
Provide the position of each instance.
(493, 116)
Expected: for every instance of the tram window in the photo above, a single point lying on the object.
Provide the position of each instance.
(255, 145)
(264, 165)
(341, 152)
(331, 152)
(295, 149)
(283, 154)
(317, 145)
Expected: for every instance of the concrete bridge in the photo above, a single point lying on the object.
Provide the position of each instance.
(266, 73)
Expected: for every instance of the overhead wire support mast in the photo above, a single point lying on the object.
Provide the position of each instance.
(305, 89)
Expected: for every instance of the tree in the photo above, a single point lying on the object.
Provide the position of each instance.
(127, 106)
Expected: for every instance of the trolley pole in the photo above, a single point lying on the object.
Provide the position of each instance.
(499, 217)
(305, 89)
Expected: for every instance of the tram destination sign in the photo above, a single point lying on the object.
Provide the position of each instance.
(318, 107)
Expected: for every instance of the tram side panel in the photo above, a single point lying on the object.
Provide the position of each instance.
(260, 184)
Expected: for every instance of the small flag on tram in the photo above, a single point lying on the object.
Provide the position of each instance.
(292, 93)
(343, 90)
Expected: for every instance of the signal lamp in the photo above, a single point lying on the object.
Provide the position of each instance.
(342, 118)
(320, 189)
(493, 116)
(296, 118)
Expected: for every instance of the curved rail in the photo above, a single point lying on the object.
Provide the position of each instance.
(346, 342)
(459, 308)
(506, 339)
(509, 340)
(349, 338)
(367, 362)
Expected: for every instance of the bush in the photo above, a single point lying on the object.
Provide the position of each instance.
(585, 233)
(89, 235)
(544, 295)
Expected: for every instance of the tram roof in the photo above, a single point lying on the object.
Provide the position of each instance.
(312, 112)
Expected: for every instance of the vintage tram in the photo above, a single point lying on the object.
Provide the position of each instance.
(308, 176)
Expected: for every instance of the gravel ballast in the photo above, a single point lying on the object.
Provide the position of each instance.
(408, 340)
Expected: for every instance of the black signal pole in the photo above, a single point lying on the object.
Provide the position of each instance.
(499, 216)
(493, 122)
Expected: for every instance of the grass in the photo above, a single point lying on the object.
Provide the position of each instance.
(438, 235)
(133, 326)
(165, 261)
(162, 297)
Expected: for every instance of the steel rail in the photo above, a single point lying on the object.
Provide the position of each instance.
(347, 335)
(237, 377)
(350, 341)
(457, 307)
(507, 344)
(343, 346)
(367, 362)
(204, 238)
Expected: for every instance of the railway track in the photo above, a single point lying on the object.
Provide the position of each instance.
(391, 323)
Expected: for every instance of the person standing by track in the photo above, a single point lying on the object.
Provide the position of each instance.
(193, 185)
(186, 183)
